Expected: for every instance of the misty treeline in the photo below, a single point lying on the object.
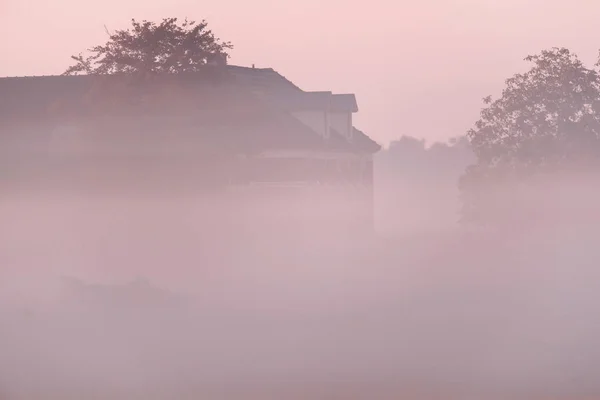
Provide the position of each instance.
(536, 142)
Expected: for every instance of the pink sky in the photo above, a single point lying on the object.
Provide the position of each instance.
(418, 67)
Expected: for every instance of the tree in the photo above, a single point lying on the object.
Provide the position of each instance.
(148, 47)
(546, 121)
(124, 67)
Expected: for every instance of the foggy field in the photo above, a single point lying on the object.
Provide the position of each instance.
(436, 310)
(366, 201)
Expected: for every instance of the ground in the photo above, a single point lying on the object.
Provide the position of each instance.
(439, 313)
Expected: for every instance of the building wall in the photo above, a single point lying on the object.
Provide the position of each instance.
(321, 121)
(338, 199)
(323, 193)
(316, 120)
(368, 174)
(341, 122)
(134, 223)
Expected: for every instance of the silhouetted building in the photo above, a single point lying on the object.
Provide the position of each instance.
(246, 130)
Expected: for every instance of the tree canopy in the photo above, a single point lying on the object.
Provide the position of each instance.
(149, 47)
(546, 120)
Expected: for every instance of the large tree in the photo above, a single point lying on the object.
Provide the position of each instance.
(138, 54)
(547, 120)
(149, 47)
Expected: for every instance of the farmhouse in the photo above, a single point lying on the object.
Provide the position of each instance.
(248, 132)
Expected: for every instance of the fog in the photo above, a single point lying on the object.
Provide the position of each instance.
(146, 296)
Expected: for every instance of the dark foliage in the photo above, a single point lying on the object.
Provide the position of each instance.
(546, 121)
(149, 47)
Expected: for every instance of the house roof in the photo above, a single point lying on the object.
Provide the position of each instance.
(262, 78)
(232, 106)
(288, 95)
(302, 101)
(324, 100)
(364, 142)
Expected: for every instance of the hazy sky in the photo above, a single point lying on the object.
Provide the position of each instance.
(418, 67)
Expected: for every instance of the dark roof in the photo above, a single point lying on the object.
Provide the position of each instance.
(288, 96)
(338, 141)
(232, 105)
(364, 142)
(262, 79)
(302, 101)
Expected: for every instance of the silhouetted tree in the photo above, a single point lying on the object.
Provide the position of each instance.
(125, 66)
(408, 145)
(148, 47)
(547, 120)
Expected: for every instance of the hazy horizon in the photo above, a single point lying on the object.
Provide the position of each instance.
(402, 59)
